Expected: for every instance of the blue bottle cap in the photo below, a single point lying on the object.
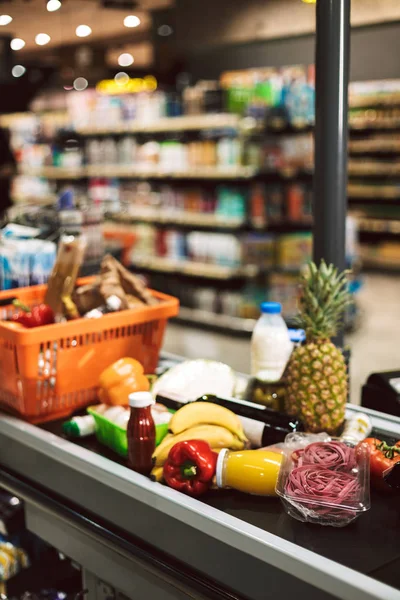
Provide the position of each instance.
(271, 308)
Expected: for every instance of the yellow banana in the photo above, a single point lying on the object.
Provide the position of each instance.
(197, 413)
(157, 474)
(217, 437)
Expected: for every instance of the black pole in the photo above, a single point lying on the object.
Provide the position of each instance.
(331, 130)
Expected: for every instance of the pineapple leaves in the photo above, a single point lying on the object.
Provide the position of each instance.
(324, 298)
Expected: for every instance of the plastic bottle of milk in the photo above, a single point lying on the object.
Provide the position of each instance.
(270, 344)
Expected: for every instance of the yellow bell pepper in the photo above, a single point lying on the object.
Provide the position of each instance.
(120, 379)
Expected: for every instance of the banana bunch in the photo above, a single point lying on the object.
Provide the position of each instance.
(214, 424)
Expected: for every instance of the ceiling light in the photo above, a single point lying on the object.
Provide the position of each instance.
(83, 31)
(309, 1)
(80, 84)
(5, 19)
(131, 21)
(121, 78)
(53, 5)
(18, 71)
(17, 44)
(42, 39)
(125, 59)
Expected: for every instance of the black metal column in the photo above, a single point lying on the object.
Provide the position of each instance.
(331, 114)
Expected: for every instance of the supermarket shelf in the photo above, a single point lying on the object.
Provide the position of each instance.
(220, 323)
(373, 168)
(237, 172)
(237, 326)
(52, 172)
(382, 265)
(183, 123)
(200, 220)
(374, 146)
(385, 226)
(202, 122)
(34, 200)
(383, 124)
(206, 221)
(193, 269)
(233, 173)
(373, 192)
(378, 100)
(282, 126)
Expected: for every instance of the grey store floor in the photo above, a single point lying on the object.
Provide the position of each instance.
(375, 345)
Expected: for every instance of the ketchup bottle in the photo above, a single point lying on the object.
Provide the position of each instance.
(141, 433)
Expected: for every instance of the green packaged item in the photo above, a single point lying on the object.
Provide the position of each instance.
(79, 426)
(114, 437)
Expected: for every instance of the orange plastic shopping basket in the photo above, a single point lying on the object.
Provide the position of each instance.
(48, 372)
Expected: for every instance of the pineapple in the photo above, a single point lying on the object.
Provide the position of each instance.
(316, 373)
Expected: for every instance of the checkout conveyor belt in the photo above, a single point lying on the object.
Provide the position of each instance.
(149, 541)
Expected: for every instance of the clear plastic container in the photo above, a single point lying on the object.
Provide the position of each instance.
(270, 344)
(327, 484)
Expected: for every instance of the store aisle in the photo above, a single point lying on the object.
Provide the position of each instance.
(375, 346)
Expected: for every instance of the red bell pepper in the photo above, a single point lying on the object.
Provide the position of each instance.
(36, 316)
(190, 467)
(383, 457)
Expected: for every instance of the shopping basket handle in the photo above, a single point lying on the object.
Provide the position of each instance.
(7, 301)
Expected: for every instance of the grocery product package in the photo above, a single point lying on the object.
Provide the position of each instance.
(70, 255)
(25, 262)
(324, 480)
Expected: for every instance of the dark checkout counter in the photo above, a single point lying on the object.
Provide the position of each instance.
(138, 539)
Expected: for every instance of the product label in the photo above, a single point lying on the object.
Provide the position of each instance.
(253, 430)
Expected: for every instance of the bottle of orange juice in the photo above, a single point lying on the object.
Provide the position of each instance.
(250, 471)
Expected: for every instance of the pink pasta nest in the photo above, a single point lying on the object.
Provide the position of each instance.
(331, 455)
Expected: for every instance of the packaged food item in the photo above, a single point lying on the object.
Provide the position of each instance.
(190, 379)
(357, 428)
(118, 415)
(131, 284)
(12, 560)
(25, 262)
(84, 425)
(190, 467)
(113, 304)
(270, 344)
(63, 277)
(250, 471)
(87, 298)
(324, 482)
(79, 426)
(141, 433)
(161, 414)
(120, 379)
(114, 289)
